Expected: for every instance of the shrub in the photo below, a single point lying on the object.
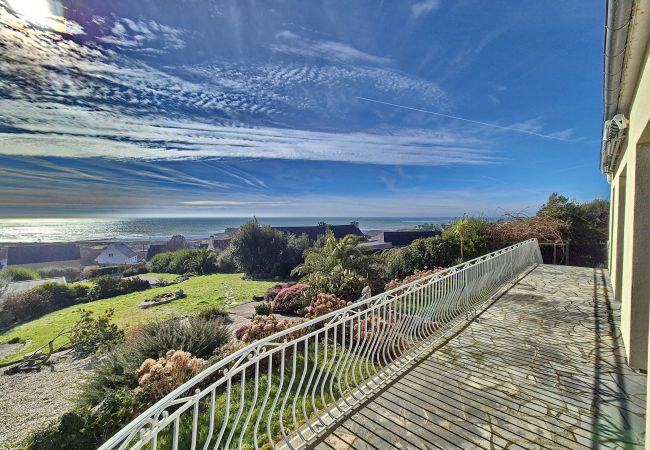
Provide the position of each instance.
(343, 283)
(226, 261)
(392, 284)
(106, 270)
(69, 274)
(377, 285)
(212, 313)
(260, 250)
(271, 292)
(108, 286)
(196, 335)
(264, 326)
(241, 331)
(94, 334)
(201, 261)
(173, 262)
(86, 429)
(118, 368)
(133, 270)
(427, 252)
(323, 304)
(263, 309)
(158, 378)
(20, 274)
(470, 235)
(288, 300)
(42, 299)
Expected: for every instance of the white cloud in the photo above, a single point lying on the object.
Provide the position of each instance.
(72, 131)
(294, 44)
(424, 7)
(144, 36)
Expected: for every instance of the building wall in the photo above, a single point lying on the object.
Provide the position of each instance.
(117, 259)
(630, 227)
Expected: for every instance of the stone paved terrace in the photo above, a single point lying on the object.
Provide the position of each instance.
(541, 367)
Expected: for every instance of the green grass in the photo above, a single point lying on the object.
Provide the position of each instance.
(165, 276)
(202, 292)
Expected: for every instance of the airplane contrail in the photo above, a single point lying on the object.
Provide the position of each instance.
(532, 133)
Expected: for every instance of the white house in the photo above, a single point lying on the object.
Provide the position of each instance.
(116, 254)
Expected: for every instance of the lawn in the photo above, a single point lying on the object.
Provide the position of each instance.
(202, 292)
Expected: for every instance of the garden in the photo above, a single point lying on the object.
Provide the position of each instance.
(144, 353)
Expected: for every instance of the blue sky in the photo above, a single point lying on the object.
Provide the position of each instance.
(280, 108)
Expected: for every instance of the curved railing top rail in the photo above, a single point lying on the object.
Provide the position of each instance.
(239, 355)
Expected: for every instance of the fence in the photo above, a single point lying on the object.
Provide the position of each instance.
(286, 389)
(574, 253)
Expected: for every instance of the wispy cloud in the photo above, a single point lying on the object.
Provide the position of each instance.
(87, 133)
(424, 7)
(531, 127)
(294, 44)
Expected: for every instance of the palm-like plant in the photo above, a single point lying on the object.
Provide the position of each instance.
(343, 254)
(202, 262)
(460, 229)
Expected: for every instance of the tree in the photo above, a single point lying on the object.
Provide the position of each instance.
(260, 250)
(586, 222)
(176, 242)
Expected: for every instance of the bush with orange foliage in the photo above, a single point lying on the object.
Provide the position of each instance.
(519, 228)
(381, 330)
(159, 377)
(323, 304)
(392, 284)
(264, 326)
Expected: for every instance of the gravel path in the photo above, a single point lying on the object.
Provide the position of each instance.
(29, 401)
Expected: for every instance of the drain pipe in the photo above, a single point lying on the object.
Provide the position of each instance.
(617, 23)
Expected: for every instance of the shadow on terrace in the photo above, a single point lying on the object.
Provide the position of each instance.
(542, 366)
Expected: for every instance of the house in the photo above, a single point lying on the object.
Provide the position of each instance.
(625, 159)
(318, 230)
(45, 255)
(219, 241)
(116, 254)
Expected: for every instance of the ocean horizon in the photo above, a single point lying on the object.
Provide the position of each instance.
(35, 230)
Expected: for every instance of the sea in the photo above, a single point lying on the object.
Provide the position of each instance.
(158, 229)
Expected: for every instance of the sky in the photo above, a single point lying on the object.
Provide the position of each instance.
(297, 108)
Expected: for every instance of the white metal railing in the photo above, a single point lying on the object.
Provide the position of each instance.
(285, 390)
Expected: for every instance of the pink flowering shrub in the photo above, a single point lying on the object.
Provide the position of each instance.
(289, 299)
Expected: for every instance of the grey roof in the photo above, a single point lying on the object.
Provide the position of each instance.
(42, 253)
(402, 238)
(314, 231)
(123, 249)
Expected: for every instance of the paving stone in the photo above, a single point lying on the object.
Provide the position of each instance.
(541, 367)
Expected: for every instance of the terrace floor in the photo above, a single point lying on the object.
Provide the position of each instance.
(543, 366)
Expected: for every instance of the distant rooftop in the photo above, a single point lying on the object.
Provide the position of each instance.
(402, 238)
(123, 249)
(42, 253)
(314, 231)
